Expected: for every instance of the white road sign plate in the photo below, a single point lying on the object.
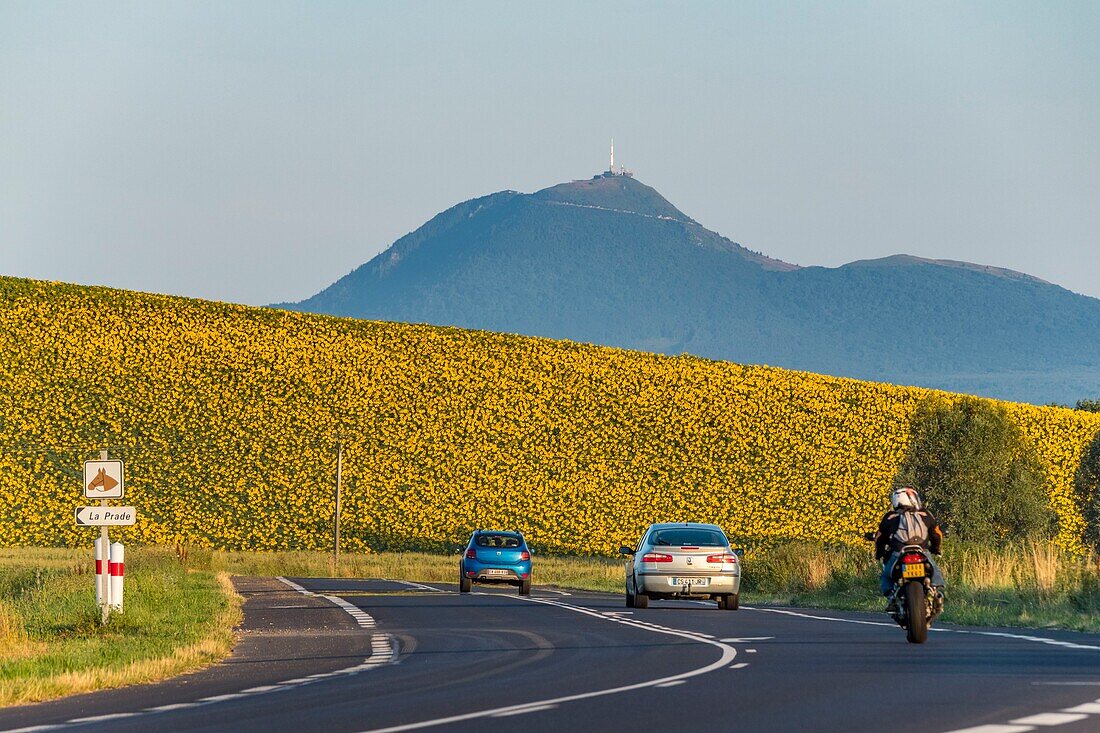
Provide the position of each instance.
(106, 516)
(103, 480)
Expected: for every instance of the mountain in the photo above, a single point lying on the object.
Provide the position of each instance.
(610, 261)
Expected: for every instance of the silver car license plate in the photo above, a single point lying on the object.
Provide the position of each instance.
(494, 571)
(689, 581)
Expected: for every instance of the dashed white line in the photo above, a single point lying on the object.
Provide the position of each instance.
(409, 583)
(101, 718)
(1049, 719)
(524, 711)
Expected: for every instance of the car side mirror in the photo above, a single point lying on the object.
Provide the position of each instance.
(624, 550)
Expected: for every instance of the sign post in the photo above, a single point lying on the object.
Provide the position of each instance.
(103, 480)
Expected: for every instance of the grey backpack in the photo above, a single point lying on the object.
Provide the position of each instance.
(912, 530)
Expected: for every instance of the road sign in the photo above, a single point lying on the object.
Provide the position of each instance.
(103, 480)
(106, 516)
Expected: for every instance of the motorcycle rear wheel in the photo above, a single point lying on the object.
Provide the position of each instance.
(916, 612)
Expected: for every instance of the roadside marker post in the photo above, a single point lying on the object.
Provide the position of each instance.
(117, 568)
(105, 479)
(101, 560)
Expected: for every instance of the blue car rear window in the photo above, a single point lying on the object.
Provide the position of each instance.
(687, 536)
(497, 540)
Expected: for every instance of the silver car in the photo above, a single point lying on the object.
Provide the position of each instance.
(683, 560)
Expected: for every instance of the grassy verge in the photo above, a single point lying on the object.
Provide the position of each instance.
(588, 573)
(51, 642)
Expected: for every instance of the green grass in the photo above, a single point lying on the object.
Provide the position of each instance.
(51, 639)
(588, 573)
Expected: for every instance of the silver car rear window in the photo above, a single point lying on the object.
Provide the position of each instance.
(688, 536)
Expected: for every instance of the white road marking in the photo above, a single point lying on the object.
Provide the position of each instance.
(739, 665)
(674, 683)
(1092, 708)
(1049, 719)
(173, 706)
(223, 698)
(996, 729)
(409, 583)
(1072, 683)
(524, 711)
(728, 654)
(745, 639)
(750, 651)
(295, 586)
(100, 718)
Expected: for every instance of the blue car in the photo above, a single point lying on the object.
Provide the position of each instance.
(495, 556)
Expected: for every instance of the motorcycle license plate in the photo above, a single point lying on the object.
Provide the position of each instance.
(913, 571)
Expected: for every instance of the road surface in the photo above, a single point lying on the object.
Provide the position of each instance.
(362, 656)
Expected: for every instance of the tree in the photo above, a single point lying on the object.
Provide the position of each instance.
(976, 472)
(1087, 484)
(1088, 405)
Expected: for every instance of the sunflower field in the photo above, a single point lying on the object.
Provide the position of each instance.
(229, 417)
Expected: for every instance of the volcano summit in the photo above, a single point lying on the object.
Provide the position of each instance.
(609, 260)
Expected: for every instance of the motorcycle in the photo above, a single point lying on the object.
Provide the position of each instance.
(916, 600)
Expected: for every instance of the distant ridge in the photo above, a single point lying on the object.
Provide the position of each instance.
(609, 260)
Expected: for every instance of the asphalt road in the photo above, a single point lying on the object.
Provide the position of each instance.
(379, 655)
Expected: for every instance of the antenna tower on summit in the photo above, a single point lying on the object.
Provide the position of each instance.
(611, 167)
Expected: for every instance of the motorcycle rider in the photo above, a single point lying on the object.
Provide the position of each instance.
(907, 523)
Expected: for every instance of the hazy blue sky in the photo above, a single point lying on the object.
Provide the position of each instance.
(255, 152)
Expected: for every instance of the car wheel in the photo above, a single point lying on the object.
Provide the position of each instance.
(641, 600)
(464, 584)
(525, 587)
(729, 601)
(629, 595)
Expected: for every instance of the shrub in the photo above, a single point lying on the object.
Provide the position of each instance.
(1087, 485)
(976, 472)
